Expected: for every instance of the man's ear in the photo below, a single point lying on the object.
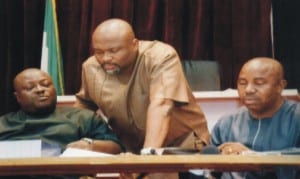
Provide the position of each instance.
(16, 96)
(283, 84)
(135, 42)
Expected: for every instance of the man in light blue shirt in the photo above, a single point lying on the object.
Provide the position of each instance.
(267, 122)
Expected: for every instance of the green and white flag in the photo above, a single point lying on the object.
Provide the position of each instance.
(51, 61)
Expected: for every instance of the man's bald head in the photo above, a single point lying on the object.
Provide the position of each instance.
(265, 63)
(19, 78)
(116, 28)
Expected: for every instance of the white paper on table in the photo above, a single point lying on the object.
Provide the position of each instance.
(20, 149)
(75, 152)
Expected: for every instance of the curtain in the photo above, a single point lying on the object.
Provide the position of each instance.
(20, 44)
(286, 29)
(228, 31)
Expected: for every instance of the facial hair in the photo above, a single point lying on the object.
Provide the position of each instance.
(114, 71)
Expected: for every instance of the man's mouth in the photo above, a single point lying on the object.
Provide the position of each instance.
(250, 100)
(109, 66)
(43, 98)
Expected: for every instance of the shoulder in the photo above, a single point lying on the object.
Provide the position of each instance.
(91, 62)
(291, 109)
(91, 66)
(156, 54)
(227, 124)
(71, 112)
(156, 48)
(155, 44)
(291, 105)
(240, 116)
(8, 116)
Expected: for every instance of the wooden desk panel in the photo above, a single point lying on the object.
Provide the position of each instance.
(213, 103)
(135, 163)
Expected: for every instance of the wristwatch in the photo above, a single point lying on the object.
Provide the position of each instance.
(148, 151)
(88, 140)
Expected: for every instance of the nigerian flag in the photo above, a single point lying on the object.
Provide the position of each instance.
(51, 55)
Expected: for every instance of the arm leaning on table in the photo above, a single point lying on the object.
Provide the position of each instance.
(158, 122)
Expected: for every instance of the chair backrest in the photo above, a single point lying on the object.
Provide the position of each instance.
(202, 75)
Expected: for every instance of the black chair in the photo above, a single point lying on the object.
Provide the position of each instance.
(202, 75)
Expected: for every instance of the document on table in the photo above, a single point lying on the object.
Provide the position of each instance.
(287, 151)
(74, 152)
(20, 149)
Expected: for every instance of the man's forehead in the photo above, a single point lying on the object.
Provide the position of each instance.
(34, 73)
(33, 76)
(255, 74)
(257, 67)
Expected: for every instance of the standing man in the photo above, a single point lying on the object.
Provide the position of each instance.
(141, 88)
(268, 122)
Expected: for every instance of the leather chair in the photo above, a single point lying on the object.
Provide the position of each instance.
(202, 75)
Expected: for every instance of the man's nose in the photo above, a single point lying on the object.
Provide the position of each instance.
(39, 88)
(250, 88)
(106, 57)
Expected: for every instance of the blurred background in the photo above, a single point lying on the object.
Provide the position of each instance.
(226, 31)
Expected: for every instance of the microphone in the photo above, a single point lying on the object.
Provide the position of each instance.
(212, 150)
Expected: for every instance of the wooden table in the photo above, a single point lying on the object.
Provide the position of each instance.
(135, 163)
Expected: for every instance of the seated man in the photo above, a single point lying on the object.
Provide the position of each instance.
(268, 122)
(39, 118)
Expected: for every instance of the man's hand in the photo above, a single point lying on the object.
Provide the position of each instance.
(81, 144)
(230, 148)
(105, 146)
